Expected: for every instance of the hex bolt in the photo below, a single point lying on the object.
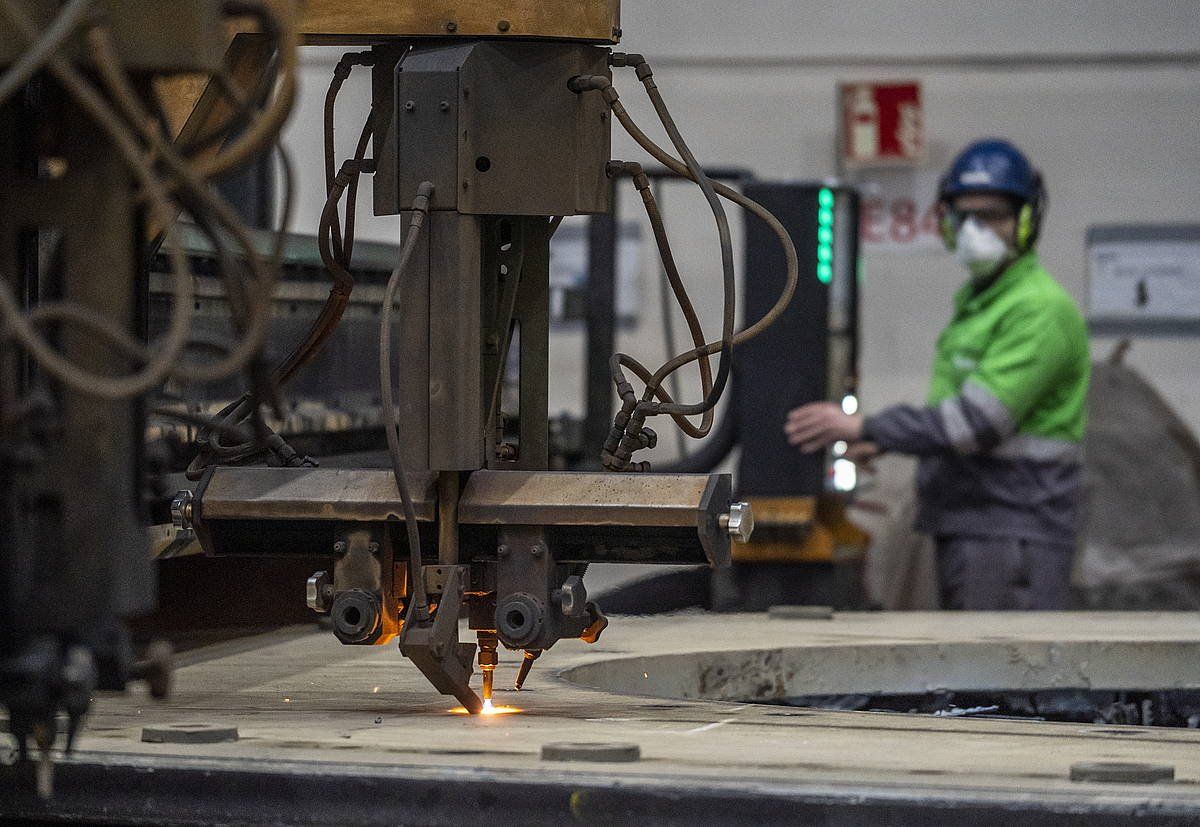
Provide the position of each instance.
(339, 547)
(451, 26)
(538, 550)
(503, 551)
(373, 547)
(502, 25)
(410, 106)
(443, 105)
(181, 510)
(739, 522)
(318, 591)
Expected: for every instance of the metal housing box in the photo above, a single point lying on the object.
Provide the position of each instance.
(495, 128)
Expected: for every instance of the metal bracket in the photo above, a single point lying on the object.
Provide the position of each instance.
(434, 648)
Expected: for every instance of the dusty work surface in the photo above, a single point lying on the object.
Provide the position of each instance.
(309, 708)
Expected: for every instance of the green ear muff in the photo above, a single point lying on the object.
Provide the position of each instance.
(946, 227)
(1025, 227)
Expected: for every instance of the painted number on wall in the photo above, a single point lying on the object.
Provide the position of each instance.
(898, 221)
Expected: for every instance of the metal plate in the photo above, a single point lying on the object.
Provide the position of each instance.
(531, 146)
(596, 20)
(566, 498)
(311, 494)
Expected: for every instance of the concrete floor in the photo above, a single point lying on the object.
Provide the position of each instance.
(299, 696)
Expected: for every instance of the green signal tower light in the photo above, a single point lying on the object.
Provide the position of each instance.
(825, 235)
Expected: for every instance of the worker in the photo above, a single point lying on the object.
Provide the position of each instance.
(1000, 475)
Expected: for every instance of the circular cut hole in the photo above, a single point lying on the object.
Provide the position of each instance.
(1089, 682)
(483, 163)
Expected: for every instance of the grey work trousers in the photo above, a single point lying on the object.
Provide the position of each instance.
(993, 573)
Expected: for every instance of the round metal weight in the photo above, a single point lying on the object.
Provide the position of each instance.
(1121, 772)
(583, 751)
(198, 733)
(800, 612)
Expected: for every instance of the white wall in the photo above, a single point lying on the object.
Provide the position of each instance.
(1104, 96)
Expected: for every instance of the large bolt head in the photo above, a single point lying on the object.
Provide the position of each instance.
(181, 510)
(572, 597)
(318, 591)
(739, 522)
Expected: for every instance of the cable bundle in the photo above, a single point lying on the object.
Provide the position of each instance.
(173, 178)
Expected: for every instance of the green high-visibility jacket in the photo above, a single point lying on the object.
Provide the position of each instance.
(1000, 433)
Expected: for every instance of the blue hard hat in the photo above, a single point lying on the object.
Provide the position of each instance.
(992, 165)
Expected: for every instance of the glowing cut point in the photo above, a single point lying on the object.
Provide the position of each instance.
(488, 710)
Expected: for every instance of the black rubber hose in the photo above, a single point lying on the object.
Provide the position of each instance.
(712, 451)
(646, 407)
(642, 184)
(418, 609)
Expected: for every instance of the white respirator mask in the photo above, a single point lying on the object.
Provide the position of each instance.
(979, 249)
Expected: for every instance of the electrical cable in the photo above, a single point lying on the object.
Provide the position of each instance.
(263, 131)
(627, 432)
(668, 324)
(343, 69)
(789, 250)
(118, 85)
(337, 265)
(202, 420)
(674, 280)
(696, 173)
(18, 325)
(33, 59)
(418, 610)
(245, 107)
(244, 104)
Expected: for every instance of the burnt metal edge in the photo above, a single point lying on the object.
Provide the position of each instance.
(107, 789)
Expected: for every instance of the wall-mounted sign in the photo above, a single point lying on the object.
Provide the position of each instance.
(1144, 278)
(881, 124)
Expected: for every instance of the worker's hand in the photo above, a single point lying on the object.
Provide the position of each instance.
(862, 454)
(820, 424)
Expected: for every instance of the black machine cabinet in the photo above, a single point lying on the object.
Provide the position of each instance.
(809, 354)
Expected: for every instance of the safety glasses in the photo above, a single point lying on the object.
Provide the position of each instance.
(990, 216)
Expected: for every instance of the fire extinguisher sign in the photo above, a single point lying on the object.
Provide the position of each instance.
(881, 124)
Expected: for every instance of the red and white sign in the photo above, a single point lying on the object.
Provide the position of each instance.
(882, 124)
